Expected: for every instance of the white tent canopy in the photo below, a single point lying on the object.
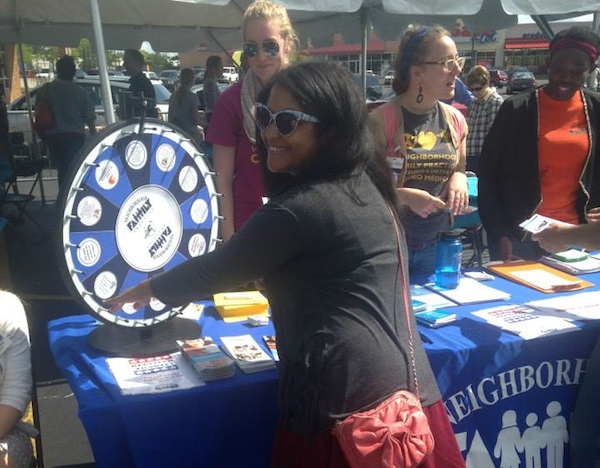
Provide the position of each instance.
(176, 25)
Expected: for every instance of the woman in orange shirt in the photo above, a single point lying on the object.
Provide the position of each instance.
(541, 154)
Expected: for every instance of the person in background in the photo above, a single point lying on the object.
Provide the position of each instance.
(16, 380)
(482, 113)
(542, 153)
(425, 140)
(328, 251)
(269, 42)
(183, 106)
(139, 84)
(214, 71)
(72, 110)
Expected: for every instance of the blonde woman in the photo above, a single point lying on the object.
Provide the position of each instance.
(425, 140)
(269, 41)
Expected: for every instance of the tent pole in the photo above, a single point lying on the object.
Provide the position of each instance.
(36, 147)
(109, 111)
(364, 23)
(544, 26)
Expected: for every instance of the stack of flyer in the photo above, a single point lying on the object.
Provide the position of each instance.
(246, 352)
(435, 318)
(207, 359)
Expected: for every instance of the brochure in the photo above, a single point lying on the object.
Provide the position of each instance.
(587, 264)
(155, 374)
(525, 321)
(246, 352)
(538, 223)
(435, 318)
(207, 359)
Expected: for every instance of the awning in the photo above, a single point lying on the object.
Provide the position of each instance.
(512, 44)
(339, 48)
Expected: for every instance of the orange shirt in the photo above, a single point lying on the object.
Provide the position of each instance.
(563, 149)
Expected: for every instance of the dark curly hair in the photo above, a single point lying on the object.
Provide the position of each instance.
(328, 91)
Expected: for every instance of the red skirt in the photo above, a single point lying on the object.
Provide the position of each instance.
(292, 450)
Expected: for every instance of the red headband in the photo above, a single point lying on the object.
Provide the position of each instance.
(569, 43)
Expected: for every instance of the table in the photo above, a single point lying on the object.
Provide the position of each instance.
(227, 423)
(497, 389)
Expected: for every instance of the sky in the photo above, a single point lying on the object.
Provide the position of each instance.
(524, 19)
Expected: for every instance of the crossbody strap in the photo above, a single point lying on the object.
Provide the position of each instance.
(405, 299)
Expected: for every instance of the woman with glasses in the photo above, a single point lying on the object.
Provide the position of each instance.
(269, 41)
(482, 112)
(334, 268)
(541, 155)
(425, 140)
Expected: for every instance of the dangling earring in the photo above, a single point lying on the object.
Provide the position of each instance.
(420, 95)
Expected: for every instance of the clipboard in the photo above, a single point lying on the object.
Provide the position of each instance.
(539, 276)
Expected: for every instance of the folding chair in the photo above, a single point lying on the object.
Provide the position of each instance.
(32, 170)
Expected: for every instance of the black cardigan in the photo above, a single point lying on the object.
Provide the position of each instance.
(509, 182)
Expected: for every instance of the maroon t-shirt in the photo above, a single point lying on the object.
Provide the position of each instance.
(226, 129)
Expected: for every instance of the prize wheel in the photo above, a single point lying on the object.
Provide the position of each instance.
(140, 200)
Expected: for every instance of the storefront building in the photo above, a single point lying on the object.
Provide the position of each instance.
(523, 45)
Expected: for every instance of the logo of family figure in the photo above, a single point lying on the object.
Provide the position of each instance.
(538, 445)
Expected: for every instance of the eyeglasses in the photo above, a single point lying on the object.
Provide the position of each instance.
(479, 88)
(286, 120)
(271, 48)
(448, 65)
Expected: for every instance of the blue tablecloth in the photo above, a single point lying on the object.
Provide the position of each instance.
(507, 398)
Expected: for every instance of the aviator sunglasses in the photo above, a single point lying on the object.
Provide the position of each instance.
(286, 120)
(271, 48)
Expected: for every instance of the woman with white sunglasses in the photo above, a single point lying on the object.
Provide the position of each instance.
(334, 269)
(425, 140)
(269, 39)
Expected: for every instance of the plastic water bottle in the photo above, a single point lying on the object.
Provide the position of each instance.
(448, 260)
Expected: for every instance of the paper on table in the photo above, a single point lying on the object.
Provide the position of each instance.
(581, 306)
(470, 291)
(155, 374)
(433, 300)
(525, 321)
(541, 278)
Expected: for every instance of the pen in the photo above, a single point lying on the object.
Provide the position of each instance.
(424, 339)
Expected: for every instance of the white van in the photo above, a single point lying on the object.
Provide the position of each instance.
(230, 74)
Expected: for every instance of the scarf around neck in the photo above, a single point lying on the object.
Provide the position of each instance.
(250, 88)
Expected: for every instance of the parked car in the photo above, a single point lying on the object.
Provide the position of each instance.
(374, 88)
(44, 75)
(18, 119)
(199, 90)
(389, 77)
(151, 75)
(512, 70)
(498, 78)
(230, 74)
(520, 81)
(169, 78)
